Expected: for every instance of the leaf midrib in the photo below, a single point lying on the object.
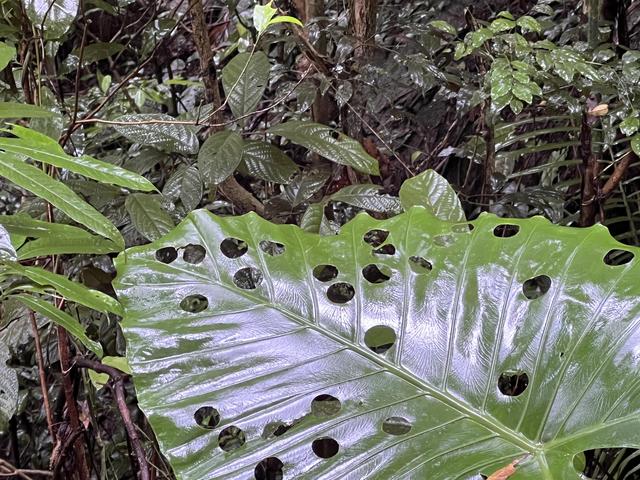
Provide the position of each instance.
(485, 420)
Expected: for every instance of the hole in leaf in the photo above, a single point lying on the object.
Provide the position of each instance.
(207, 417)
(324, 273)
(269, 469)
(443, 240)
(419, 264)
(233, 248)
(380, 338)
(506, 230)
(231, 438)
(396, 426)
(194, 253)
(325, 405)
(375, 238)
(194, 303)
(325, 447)
(334, 134)
(462, 228)
(617, 257)
(247, 278)
(340, 292)
(166, 254)
(373, 274)
(513, 384)
(536, 287)
(385, 250)
(272, 248)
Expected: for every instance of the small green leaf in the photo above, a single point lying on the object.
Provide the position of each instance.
(191, 188)
(262, 15)
(284, 19)
(460, 51)
(60, 318)
(148, 216)
(629, 126)
(502, 25)
(523, 92)
(329, 143)
(443, 26)
(529, 24)
(635, 144)
(432, 191)
(7, 52)
(220, 156)
(306, 184)
(516, 106)
(477, 38)
(99, 380)
(9, 387)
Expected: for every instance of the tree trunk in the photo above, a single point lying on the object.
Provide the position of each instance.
(362, 25)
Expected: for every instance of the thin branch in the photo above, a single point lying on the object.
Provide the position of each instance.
(8, 470)
(117, 381)
(42, 375)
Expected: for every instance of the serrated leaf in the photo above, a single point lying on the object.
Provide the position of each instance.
(148, 216)
(171, 137)
(58, 15)
(430, 190)
(220, 155)
(244, 79)
(59, 195)
(329, 143)
(60, 318)
(419, 374)
(7, 52)
(23, 110)
(268, 162)
(368, 197)
(44, 149)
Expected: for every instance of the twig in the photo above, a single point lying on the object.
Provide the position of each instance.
(618, 174)
(8, 470)
(42, 375)
(117, 381)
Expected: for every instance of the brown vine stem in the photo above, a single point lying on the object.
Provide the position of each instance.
(9, 471)
(42, 374)
(117, 381)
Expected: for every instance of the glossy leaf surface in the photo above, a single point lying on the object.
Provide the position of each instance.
(329, 143)
(244, 80)
(171, 137)
(466, 351)
(432, 191)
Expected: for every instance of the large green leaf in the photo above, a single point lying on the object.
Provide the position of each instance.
(403, 344)
(56, 193)
(244, 80)
(267, 162)
(44, 149)
(172, 137)
(329, 143)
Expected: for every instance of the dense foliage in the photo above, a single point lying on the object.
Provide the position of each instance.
(423, 338)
